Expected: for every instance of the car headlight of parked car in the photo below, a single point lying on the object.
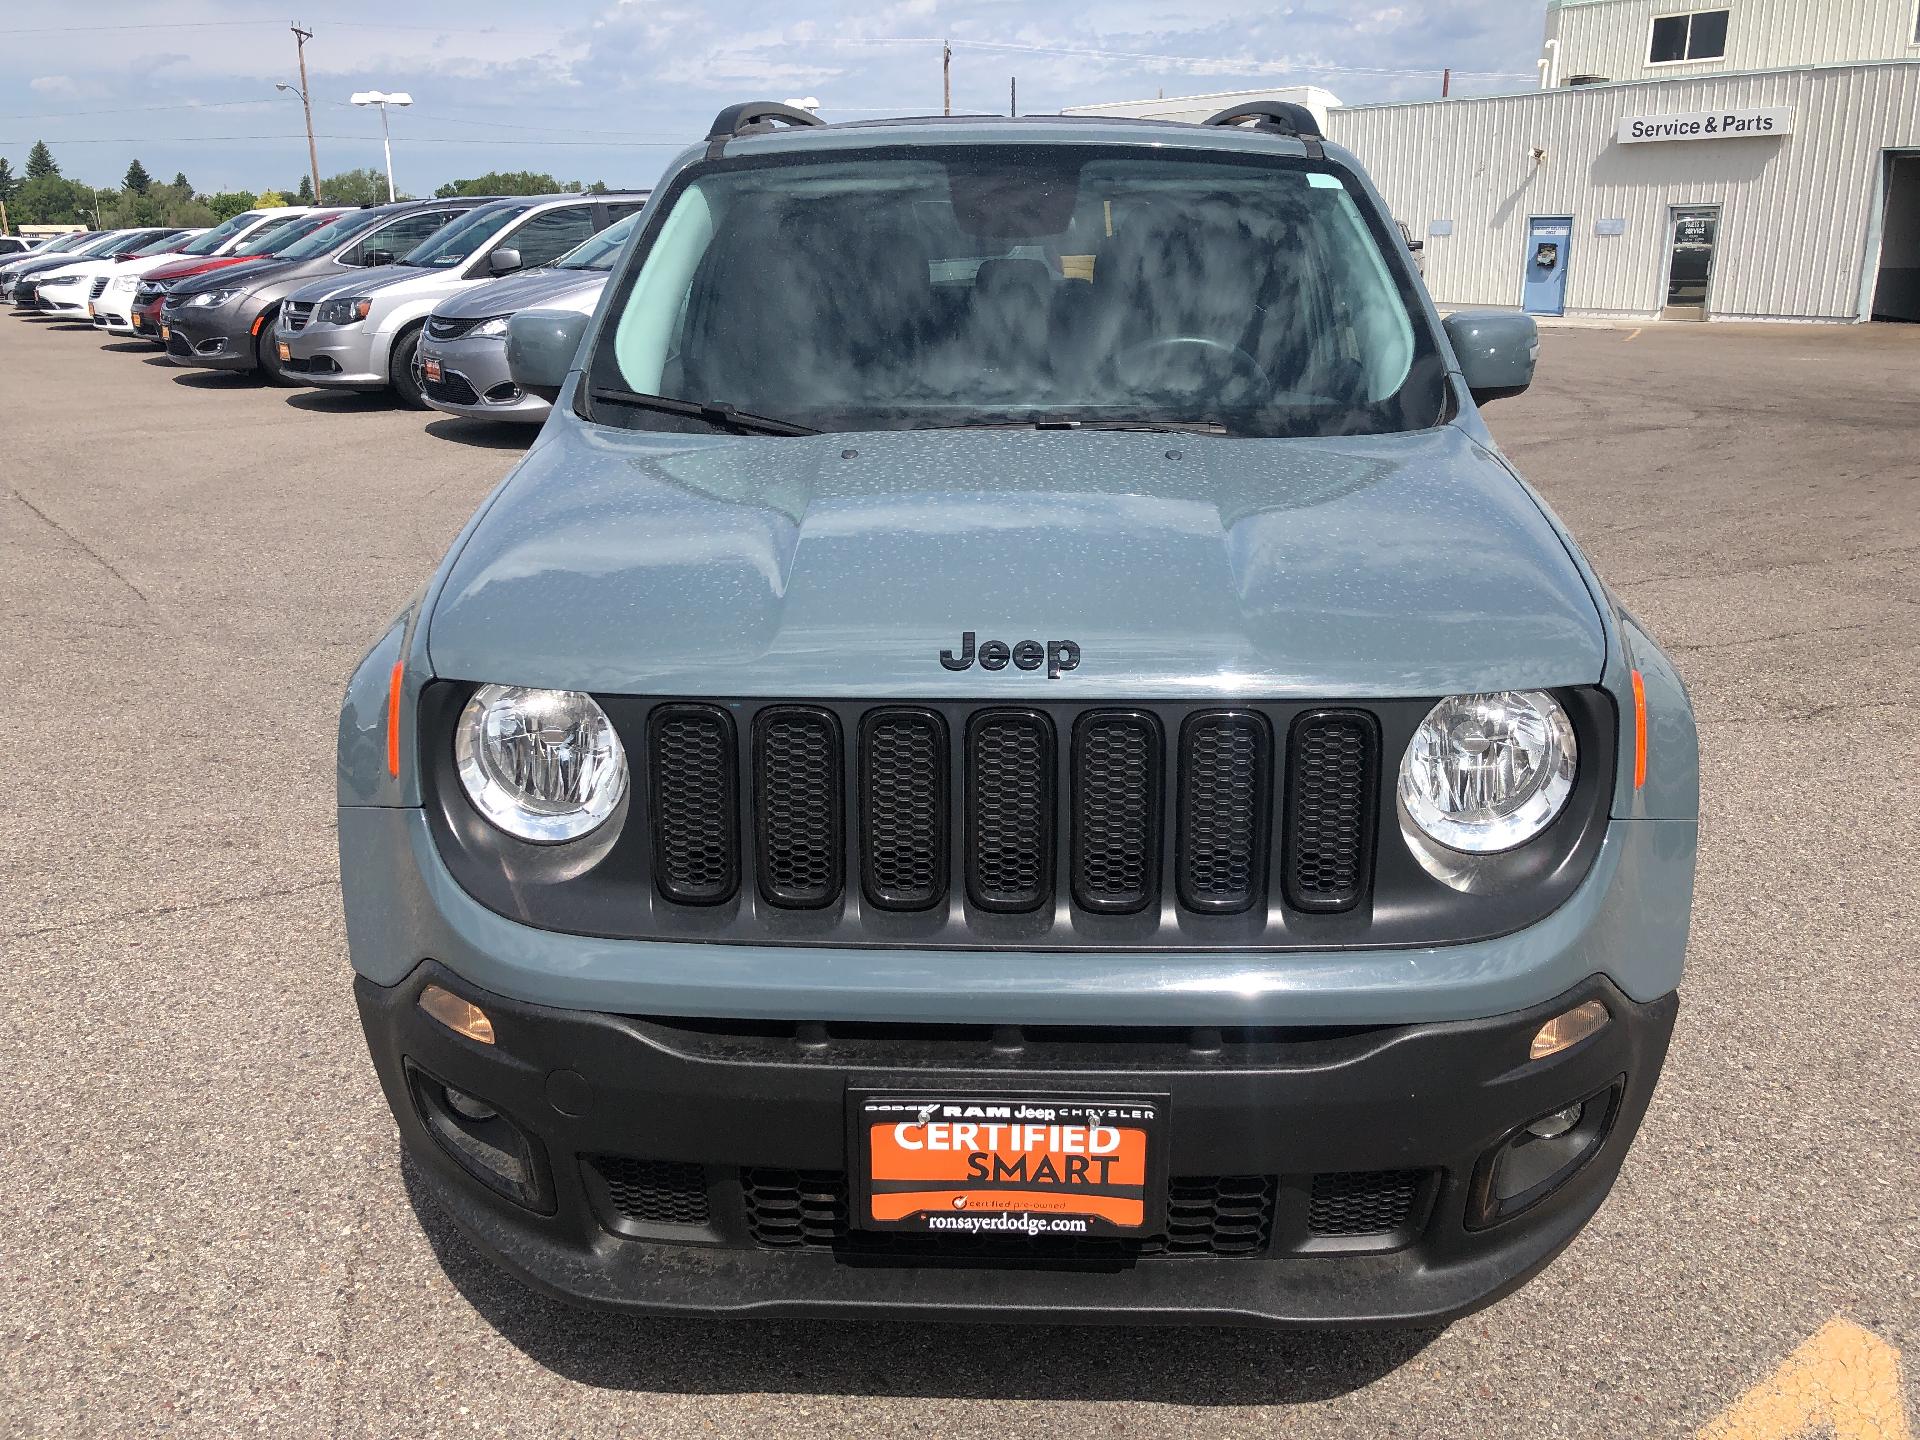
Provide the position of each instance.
(1486, 773)
(344, 312)
(124, 282)
(493, 325)
(206, 299)
(543, 765)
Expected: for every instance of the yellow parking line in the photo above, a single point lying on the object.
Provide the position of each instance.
(1845, 1381)
(1633, 337)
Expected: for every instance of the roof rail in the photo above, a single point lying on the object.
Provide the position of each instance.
(1275, 117)
(756, 117)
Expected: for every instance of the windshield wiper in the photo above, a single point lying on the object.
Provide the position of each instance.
(721, 417)
(1168, 427)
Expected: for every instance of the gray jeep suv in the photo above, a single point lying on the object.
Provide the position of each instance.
(1014, 749)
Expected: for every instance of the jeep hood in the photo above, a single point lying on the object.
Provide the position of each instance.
(1182, 565)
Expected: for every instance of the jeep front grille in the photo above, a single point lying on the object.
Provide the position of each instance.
(1035, 824)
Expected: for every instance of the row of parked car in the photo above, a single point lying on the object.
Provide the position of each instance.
(411, 297)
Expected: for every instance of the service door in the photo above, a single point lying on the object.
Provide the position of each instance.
(1548, 238)
(1694, 231)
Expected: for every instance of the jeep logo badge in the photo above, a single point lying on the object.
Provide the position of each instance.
(1059, 655)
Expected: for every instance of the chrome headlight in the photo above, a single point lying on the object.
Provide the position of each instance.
(344, 312)
(543, 765)
(1486, 773)
(206, 299)
(124, 282)
(493, 325)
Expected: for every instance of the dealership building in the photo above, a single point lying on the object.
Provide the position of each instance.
(1738, 160)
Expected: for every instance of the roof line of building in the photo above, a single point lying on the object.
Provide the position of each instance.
(1884, 64)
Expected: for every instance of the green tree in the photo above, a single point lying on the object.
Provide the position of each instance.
(304, 196)
(228, 203)
(137, 179)
(180, 182)
(9, 185)
(269, 199)
(40, 162)
(52, 200)
(503, 182)
(356, 187)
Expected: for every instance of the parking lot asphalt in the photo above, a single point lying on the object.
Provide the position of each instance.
(205, 1228)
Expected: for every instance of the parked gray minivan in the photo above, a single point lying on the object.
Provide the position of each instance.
(1016, 751)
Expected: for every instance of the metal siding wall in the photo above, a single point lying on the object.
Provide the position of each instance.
(1609, 37)
(1794, 212)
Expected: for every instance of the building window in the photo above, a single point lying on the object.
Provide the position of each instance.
(1699, 36)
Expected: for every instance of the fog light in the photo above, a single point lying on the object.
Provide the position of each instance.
(1585, 1019)
(464, 1104)
(463, 1017)
(1545, 1128)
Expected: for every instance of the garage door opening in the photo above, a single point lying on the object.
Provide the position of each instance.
(1896, 294)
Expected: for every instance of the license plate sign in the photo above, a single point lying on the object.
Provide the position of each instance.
(89, 310)
(166, 333)
(285, 350)
(431, 368)
(1001, 1166)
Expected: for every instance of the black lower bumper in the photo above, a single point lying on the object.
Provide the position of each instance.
(208, 347)
(702, 1167)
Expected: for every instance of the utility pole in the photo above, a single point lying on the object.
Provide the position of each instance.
(1013, 96)
(300, 38)
(946, 78)
(1446, 82)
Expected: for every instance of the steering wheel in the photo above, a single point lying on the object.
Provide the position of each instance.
(1248, 367)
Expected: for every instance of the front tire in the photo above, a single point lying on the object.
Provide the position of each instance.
(266, 359)
(403, 369)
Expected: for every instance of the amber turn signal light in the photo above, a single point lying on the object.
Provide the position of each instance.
(463, 1017)
(1588, 1018)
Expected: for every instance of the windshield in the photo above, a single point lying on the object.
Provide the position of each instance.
(458, 240)
(984, 285)
(598, 252)
(272, 239)
(164, 245)
(101, 244)
(334, 232)
(221, 233)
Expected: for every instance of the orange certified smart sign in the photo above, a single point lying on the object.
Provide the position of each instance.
(1009, 1166)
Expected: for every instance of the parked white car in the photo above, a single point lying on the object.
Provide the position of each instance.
(73, 287)
(117, 299)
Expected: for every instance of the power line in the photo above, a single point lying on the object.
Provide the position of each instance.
(133, 109)
(272, 24)
(1208, 62)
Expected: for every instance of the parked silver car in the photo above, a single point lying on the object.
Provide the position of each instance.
(363, 332)
(463, 355)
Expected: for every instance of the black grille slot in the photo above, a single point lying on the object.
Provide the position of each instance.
(99, 287)
(1116, 811)
(1009, 810)
(791, 1208)
(295, 314)
(1225, 785)
(1365, 1202)
(696, 843)
(796, 757)
(654, 1192)
(1220, 1215)
(1331, 783)
(451, 388)
(903, 808)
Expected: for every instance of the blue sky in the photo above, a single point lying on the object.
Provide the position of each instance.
(612, 90)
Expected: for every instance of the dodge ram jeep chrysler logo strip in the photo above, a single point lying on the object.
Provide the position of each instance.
(1008, 1166)
(1058, 655)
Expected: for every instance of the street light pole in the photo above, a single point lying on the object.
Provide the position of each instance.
(300, 38)
(383, 100)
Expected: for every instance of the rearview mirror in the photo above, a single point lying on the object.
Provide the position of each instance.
(504, 261)
(1497, 350)
(377, 257)
(541, 345)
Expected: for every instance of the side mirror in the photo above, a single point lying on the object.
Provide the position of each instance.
(1496, 349)
(377, 257)
(504, 261)
(1414, 247)
(541, 345)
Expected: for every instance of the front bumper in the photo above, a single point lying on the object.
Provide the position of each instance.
(475, 381)
(701, 1168)
(214, 339)
(344, 356)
